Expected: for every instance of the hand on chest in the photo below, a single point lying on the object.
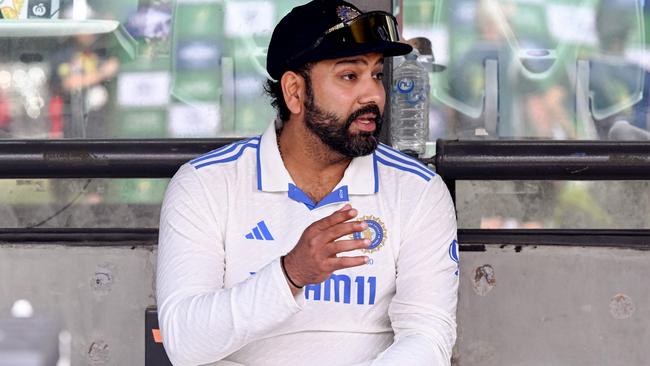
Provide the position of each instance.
(258, 237)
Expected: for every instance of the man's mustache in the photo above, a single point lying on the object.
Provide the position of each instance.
(371, 108)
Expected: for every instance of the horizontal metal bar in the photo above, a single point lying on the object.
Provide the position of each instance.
(635, 239)
(113, 237)
(484, 160)
(542, 160)
(100, 158)
(471, 240)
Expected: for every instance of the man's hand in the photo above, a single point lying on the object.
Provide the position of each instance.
(314, 258)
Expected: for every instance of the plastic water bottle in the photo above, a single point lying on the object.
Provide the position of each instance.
(410, 106)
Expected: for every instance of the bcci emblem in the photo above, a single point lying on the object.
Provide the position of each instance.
(346, 13)
(376, 233)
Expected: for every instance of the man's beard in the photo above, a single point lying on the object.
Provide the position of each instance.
(336, 134)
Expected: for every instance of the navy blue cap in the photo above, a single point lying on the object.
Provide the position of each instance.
(300, 37)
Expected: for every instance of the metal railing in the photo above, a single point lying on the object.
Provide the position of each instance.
(485, 160)
(542, 160)
(100, 158)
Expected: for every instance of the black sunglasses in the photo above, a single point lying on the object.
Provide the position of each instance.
(369, 27)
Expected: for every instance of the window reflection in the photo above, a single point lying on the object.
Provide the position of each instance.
(553, 204)
(194, 68)
(162, 68)
(563, 69)
(80, 203)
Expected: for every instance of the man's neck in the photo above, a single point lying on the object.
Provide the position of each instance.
(314, 167)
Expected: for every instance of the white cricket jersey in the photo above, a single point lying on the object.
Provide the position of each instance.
(230, 214)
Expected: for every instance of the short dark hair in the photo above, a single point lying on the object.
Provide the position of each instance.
(274, 90)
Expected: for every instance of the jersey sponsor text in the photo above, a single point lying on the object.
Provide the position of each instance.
(340, 284)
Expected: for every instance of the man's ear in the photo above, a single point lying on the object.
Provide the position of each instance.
(293, 86)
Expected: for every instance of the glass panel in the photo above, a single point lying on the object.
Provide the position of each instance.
(135, 68)
(81, 203)
(132, 203)
(559, 69)
(553, 204)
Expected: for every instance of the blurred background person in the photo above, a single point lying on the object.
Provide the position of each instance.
(80, 81)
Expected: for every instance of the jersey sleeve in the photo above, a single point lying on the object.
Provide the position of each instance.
(200, 320)
(423, 310)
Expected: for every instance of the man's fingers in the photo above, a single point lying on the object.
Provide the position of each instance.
(337, 217)
(347, 246)
(346, 207)
(347, 262)
(340, 230)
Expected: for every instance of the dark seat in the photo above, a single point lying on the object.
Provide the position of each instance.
(154, 353)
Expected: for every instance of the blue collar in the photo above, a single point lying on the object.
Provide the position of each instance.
(360, 177)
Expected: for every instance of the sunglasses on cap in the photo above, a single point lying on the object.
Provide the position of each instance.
(367, 28)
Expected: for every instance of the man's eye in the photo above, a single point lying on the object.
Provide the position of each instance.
(349, 76)
(379, 76)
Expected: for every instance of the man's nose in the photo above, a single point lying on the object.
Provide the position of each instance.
(373, 92)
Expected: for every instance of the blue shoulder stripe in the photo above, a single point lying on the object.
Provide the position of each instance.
(223, 150)
(402, 167)
(234, 157)
(405, 160)
(387, 150)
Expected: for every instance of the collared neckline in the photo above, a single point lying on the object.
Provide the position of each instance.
(360, 177)
(272, 175)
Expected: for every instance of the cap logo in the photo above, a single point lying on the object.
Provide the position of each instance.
(346, 13)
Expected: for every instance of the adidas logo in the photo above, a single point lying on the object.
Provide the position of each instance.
(260, 232)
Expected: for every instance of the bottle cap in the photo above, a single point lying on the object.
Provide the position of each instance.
(413, 55)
